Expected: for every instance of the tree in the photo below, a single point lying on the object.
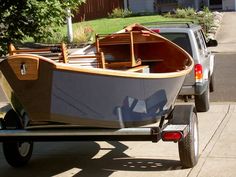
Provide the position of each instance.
(33, 18)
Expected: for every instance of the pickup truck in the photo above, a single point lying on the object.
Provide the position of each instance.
(200, 82)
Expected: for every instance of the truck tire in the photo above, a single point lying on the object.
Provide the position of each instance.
(202, 102)
(189, 146)
(17, 153)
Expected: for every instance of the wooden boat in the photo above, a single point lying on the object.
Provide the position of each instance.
(126, 79)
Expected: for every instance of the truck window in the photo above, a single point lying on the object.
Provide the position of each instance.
(202, 39)
(199, 42)
(180, 39)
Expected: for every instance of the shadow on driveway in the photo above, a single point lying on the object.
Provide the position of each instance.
(78, 159)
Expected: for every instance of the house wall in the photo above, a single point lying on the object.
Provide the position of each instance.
(206, 3)
(94, 9)
(147, 5)
(187, 3)
(228, 5)
(141, 6)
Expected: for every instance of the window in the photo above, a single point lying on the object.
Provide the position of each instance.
(168, 1)
(180, 39)
(198, 40)
(202, 38)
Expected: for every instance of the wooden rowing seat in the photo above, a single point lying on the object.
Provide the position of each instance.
(118, 50)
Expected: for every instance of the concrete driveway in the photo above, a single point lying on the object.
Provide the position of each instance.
(226, 35)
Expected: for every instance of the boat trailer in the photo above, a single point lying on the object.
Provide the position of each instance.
(180, 126)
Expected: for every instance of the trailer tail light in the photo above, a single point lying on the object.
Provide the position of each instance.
(198, 73)
(156, 30)
(172, 136)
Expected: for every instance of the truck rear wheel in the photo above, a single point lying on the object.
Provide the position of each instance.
(212, 83)
(17, 153)
(189, 146)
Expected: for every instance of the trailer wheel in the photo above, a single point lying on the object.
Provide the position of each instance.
(17, 153)
(189, 146)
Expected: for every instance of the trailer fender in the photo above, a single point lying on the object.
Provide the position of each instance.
(182, 114)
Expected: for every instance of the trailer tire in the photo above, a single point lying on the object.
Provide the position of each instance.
(17, 153)
(189, 145)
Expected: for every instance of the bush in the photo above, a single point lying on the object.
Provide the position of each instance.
(120, 13)
(181, 13)
(206, 19)
(31, 18)
(168, 15)
(56, 37)
(83, 34)
(190, 12)
(185, 13)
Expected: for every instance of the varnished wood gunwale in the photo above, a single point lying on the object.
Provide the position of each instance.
(31, 56)
(138, 68)
(117, 73)
(98, 71)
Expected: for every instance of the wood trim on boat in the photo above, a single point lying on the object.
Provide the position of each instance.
(31, 56)
(102, 62)
(25, 68)
(99, 71)
(118, 73)
(132, 50)
(12, 50)
(62, 49)
(83, 56)
(130, 38)
(64, 53)
(138, 68)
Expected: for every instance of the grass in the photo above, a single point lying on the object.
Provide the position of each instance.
(111, 25)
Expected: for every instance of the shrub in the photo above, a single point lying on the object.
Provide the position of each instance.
(190, 12)
(168, 15)
(56, 37)
(185, 13)
(180, 13)
(31, 18)
(83, 34)
(120, 13)
(205, 19)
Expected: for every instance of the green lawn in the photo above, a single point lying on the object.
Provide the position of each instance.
(106, 26)
(110, 25)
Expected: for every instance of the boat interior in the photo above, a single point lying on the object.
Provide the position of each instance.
(134, 51)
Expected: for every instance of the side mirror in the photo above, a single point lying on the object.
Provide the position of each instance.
(212, 43)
